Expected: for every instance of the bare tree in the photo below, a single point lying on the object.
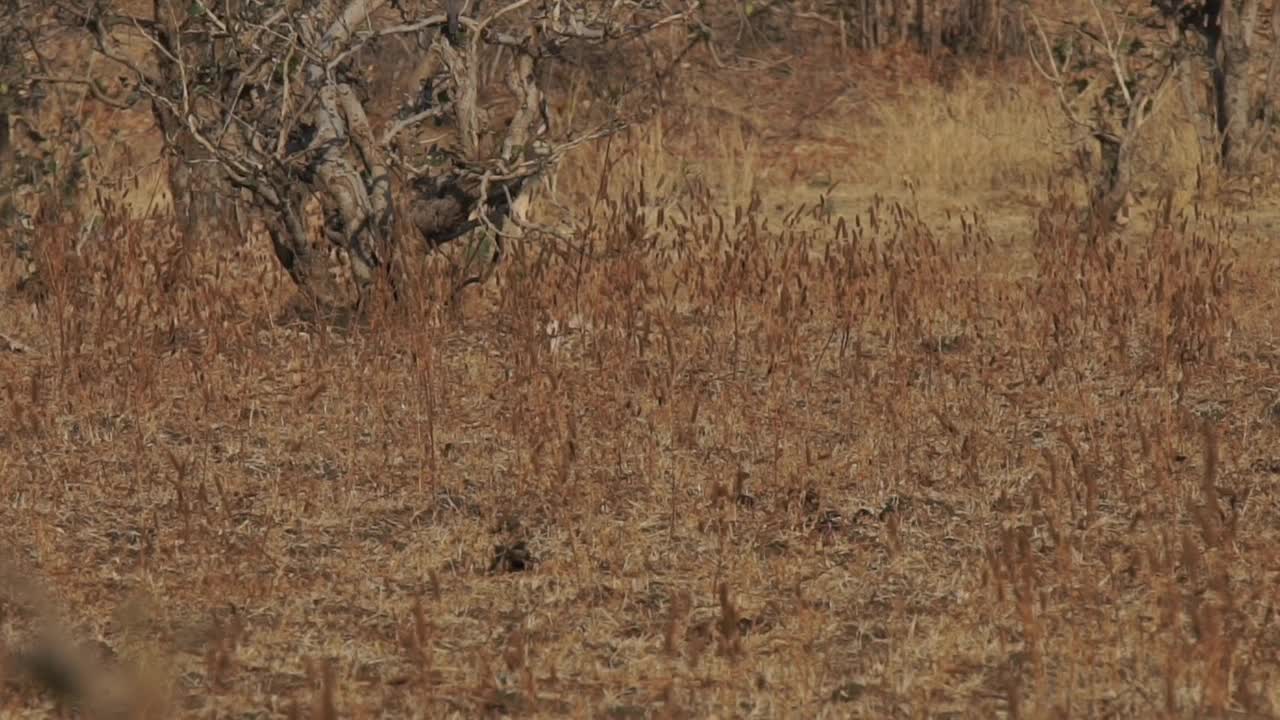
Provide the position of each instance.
(390, 113)
(1227, 36)
(1110, 72)
(1225, 65)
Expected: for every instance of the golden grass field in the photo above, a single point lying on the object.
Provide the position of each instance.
(830, 412)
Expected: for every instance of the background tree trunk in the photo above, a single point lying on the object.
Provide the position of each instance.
(1236, 23)
(6, 148)
(932, 26)
(1117, 167)
(1193, 95)
(193, 180)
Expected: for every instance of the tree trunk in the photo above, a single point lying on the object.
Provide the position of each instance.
(919, 22)
(309, 268)
(1192, 94)
(6, 150)
(992, 27)
(361, 225)
(197, 206)
(1232, 92)
(935, 27)
(1117, 167)
(201, 211)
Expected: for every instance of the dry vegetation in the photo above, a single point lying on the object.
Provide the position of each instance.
(754, 447)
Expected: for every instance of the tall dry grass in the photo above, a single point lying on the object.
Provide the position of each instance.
(700, 457)
(970, 137)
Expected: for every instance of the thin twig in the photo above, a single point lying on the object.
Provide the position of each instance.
(94, 89)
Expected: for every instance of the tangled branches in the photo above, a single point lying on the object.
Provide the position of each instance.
(380, 110)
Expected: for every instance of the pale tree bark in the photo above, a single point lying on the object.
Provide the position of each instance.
(1229, 30)
(1236, 23)
(361, 228)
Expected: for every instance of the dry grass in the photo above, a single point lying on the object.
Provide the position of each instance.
(969, 138)
(717, 462)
